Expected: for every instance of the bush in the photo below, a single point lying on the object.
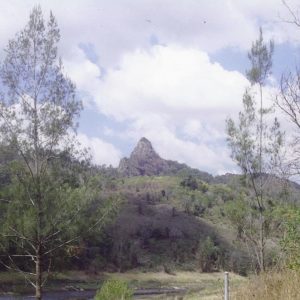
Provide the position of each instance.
(291, 240)
(114, 289)
(208, 255)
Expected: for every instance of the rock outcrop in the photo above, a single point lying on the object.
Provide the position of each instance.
(144, 160)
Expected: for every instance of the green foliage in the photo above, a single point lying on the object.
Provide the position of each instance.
(260, 57)
(255, 146)
(190, 183)
(291, 240)
(236, 211)
(208, 255)
(254, 143)
(45, 182)
(253, 157)
(114, 289)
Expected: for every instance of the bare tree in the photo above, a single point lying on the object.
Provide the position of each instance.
(295, 18)
(288, 100)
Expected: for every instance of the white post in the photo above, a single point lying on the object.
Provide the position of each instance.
(226, 286)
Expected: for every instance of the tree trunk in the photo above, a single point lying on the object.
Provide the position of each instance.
(261, 205)
(38, 271)
(262, 244)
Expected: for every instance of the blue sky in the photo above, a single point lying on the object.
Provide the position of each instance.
(169, 70)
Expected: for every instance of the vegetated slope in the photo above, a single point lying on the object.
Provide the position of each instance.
(172, 217)
(165, 224)
(280, 189)
(144, 161)
(175, 216)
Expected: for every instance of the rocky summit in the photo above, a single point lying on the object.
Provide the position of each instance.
(144, 161)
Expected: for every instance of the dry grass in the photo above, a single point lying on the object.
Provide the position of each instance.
(284, 285)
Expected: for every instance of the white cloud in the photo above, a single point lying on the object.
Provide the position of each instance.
(173, 94)
(102, 152)
(169, 145)
(173, 81)
(178, 99)
(119, 26)
(83, 72)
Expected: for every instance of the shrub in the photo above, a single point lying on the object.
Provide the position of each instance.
(114, 289)
(190, 183)
(208, 255)
(291, 240)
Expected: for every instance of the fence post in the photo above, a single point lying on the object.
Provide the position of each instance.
(226, 286)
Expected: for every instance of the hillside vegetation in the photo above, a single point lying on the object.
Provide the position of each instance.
(183, 221)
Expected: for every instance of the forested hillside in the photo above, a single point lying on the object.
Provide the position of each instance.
(185, 220)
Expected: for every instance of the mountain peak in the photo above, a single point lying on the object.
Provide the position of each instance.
(145, 161)
(144, 151)
(144, 140)
(142, 161)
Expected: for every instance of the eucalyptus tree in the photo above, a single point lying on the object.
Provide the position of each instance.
(255, 146)
(38, 120)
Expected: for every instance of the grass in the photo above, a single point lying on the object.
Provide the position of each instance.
(204, 285)
(271, 286)
(15, 283)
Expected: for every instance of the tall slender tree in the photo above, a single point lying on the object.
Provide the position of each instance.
(255, 145)
(38, 113)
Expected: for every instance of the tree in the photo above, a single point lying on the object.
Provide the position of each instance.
(38, 120)
(288, 102)
(255, 146)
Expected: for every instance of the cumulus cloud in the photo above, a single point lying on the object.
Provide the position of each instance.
(169, 145)
(102, 152)
(152, 70)
(173, 95)
(119, 26)
(177, 98)
(83, 72)
(173, 81)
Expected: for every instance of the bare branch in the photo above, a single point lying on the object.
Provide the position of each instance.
(18, 270)
(295, 17)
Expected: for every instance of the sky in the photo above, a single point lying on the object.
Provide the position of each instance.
(168, 70)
